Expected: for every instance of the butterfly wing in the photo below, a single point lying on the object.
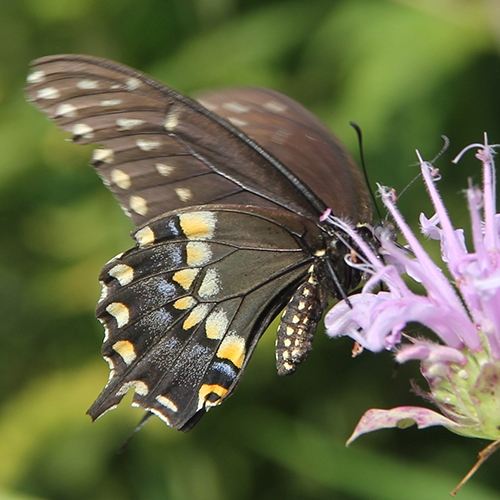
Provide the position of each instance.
(161, 151)
(185, 308)
(299, 140)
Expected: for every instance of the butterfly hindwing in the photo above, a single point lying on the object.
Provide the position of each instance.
(184, 309)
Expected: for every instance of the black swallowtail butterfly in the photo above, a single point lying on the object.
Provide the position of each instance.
(226, 195)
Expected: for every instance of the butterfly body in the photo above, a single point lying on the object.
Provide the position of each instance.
(227, 228)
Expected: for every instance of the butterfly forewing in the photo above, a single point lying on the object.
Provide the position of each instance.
(181, 331)
(299, 140)
(147, 129)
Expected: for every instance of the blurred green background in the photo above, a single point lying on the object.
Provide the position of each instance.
(407, 71)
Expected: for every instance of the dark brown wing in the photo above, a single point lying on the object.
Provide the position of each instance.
(300, 141)
(161, 150)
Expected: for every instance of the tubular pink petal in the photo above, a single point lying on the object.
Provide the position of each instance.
(419, 350)
(475, 145)
(338, 321)
(486, 156)
(430, 227)
(445, 355)
(455, 250)
(433, 279)
(450, 326)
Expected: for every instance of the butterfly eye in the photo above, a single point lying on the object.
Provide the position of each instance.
(226, 196)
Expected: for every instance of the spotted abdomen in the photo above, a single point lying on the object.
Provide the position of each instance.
(298, 324)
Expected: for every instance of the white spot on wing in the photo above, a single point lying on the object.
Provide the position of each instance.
(155, 411)
(138, 385)
(83, 130)
(185, 277)
(195, 316)
(87, 84)
(198, 225)
(67, 110)
(103, 154)
(275, 106)
(210, 285)
(120, 312)
(106, 331)
(184, 194)
(104, 292)
(122, 273)
(167, 403)
(198, 253)
(145, 236)
(48, 93)
(126, 350)
(237, 122)
(128, 123)
(164, 169)
(147, 145)
(110, 102)
(133, 83)
(36, 77)
(172, 120)
(216, 324)
(120, 178)
(235, 107)
(185, 303)
(139, 205)
(111, 367)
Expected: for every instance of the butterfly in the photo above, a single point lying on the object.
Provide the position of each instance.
(225, 194)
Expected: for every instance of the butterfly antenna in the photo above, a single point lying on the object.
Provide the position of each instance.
(446, 144)
(357, 128)
(409, 185)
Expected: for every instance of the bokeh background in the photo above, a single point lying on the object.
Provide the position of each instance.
(407, 71)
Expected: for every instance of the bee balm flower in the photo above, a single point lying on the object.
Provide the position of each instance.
(463, 369)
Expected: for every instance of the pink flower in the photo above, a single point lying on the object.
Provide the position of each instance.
(463, 370)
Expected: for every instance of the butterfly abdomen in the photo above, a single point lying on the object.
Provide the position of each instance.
(298, 323)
